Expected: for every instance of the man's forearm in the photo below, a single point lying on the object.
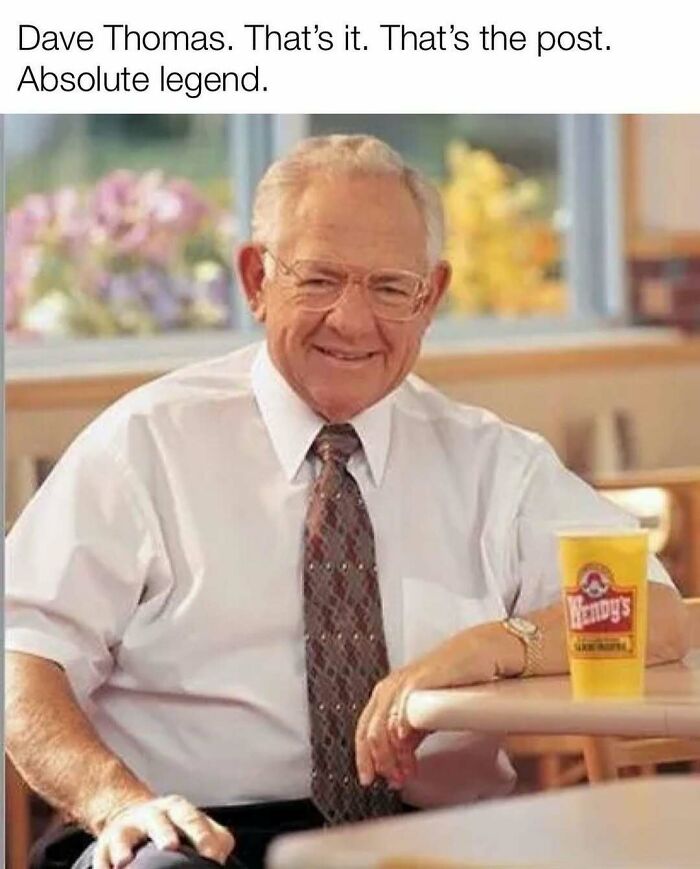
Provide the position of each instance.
(56, 749)
(667, 635)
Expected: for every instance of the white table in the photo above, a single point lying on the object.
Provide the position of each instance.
(670, 707)
(627, 824)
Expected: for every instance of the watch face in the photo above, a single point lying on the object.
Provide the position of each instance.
(524, 627)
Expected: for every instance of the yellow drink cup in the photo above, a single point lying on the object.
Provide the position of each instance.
(604, 588)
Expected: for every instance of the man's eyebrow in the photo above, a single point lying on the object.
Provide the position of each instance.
(327, 265)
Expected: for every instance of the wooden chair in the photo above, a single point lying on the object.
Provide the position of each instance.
(606, 757)
(680, 551)
(565, 760)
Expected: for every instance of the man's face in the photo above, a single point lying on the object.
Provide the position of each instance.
(345, 359)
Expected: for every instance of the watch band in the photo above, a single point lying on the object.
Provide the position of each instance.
(530, 635)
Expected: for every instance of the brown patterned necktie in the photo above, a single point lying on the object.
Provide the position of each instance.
(345, 647)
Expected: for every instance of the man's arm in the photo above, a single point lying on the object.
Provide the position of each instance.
(385, 743)
(668, 635)
(59, 754)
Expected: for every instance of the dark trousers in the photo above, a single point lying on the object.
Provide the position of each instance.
(253, 826)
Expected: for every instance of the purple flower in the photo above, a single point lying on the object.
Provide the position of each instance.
(143, 247)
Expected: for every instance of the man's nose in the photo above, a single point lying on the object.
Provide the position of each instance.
(352, 314)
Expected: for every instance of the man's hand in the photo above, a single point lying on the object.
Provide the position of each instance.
(163, 821)
(385, 743)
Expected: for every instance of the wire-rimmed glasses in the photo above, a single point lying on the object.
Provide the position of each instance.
(318, 285)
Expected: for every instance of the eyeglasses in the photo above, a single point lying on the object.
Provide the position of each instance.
(318, 285)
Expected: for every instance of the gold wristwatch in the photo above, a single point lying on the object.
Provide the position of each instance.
(531, 638)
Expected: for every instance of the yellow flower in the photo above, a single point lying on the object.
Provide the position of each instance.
(501, 251)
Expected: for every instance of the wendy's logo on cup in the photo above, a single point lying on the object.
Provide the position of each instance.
(597, 604)
(594, 581)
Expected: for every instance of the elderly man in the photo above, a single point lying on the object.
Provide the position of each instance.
(220, 598)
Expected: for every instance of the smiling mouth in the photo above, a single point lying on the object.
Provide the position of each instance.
(345, 356)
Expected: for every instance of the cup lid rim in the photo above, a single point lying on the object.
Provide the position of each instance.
(600, 531)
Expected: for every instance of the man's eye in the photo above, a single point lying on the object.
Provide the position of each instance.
(318, 283)
(391, 290)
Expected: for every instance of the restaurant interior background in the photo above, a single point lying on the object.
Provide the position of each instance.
(575, 242)
(574, 310)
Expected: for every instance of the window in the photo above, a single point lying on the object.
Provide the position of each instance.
(123, 226)
(501, 183)
(117, 224)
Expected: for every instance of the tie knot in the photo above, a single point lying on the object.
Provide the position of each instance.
(336, 443)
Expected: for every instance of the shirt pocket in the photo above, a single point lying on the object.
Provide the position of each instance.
(432, 612)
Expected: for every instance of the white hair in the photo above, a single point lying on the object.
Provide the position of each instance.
(343, 155)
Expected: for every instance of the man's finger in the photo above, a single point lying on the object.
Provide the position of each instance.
(384, 757)
(208, 839)
(100, 856)
(404, 747)
(120, 853)
(363, 755)
(411, 743)
(226, 839)
(207, 842)
(116, 846)
(161, 831)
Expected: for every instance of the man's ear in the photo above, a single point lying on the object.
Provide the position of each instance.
(438, 282)
(251, 274)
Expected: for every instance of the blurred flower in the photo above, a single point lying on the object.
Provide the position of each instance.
(50, 315)
(503, 254)
(137, 253)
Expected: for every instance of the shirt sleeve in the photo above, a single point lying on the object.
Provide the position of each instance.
(553, 497)
(76, 565)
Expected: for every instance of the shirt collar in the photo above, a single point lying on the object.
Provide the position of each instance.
(293, 426)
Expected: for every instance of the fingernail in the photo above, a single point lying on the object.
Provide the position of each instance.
(365, 779)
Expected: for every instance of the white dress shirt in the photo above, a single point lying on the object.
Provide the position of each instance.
(161, 566)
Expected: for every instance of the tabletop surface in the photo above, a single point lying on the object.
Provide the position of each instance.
(670, 706)
(626, 824)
